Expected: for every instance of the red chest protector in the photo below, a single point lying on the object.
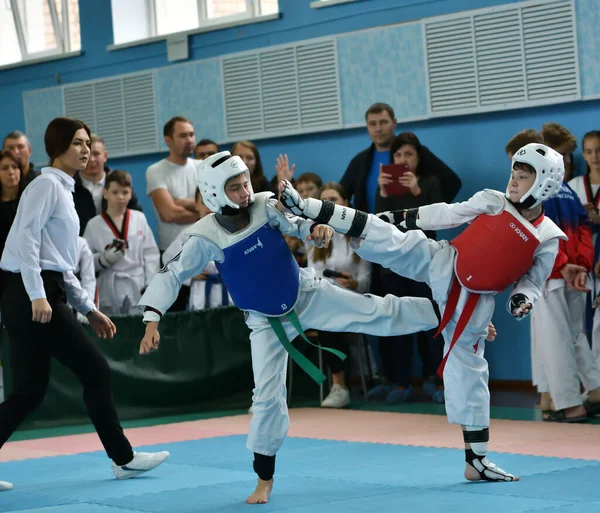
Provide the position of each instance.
(492, 253)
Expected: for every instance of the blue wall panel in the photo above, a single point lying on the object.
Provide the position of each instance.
(472, 145)
(384, 65)
(195, 91)
(588, 40)
(40, 107)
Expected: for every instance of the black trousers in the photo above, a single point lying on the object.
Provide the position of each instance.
(335, 341)
(33, 345)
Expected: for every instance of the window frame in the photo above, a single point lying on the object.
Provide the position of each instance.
(318, 4)
(252, 15)
(61, 35)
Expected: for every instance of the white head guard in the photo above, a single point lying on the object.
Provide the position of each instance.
(212, 174)
(549, 173)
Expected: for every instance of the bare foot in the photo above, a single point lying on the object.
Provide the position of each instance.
(576, 411)
(594, 395)
(262, 493)
(494, 473)
(546, 401)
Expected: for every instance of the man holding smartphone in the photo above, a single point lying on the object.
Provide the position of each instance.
(360, 181)
(417, 178)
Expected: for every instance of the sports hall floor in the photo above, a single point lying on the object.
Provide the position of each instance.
(372, 458)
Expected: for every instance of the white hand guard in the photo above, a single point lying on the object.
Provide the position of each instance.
(518, 302)
(345, 220)
(110, 256)
(291, 199)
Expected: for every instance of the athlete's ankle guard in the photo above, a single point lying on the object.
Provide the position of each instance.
(344, 220)
(264, 466)
(478, 438)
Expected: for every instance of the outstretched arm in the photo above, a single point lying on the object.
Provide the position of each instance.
(440, 216)
(345, 220)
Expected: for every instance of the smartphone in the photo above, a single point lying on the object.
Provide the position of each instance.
(120, 244)
(329, 273)
(396, 170)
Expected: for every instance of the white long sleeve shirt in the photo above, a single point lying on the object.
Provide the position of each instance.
(44, 237)
(85, 268)
(96, 190)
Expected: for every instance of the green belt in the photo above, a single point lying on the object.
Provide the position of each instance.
(305, 364)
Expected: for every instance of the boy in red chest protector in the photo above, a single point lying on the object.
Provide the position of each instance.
(508, 242)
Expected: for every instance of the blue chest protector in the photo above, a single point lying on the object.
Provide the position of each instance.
(261, 274)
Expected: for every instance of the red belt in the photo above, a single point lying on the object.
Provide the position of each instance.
(463, 320)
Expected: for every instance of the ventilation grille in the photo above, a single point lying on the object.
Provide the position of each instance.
(121, 110)
(282, 91)
(550, 51)
(502, 57)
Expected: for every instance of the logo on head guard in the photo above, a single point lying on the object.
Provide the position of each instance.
(258, 245)
(522, 152)
(234, 163)
(284, 306)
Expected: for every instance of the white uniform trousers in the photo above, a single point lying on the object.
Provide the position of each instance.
(596, 329)
(561, 354)
(325, 307)
(415, 256)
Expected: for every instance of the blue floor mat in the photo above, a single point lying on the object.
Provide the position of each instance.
(313, 476)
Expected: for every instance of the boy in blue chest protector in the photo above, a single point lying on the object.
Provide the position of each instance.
(244, 238)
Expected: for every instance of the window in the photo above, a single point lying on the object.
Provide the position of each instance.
(141, 19)
(175, 15)
(31, 29)
(316, 4)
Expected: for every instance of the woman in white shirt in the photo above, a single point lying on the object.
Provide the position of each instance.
(39, 256)
(355, 274)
